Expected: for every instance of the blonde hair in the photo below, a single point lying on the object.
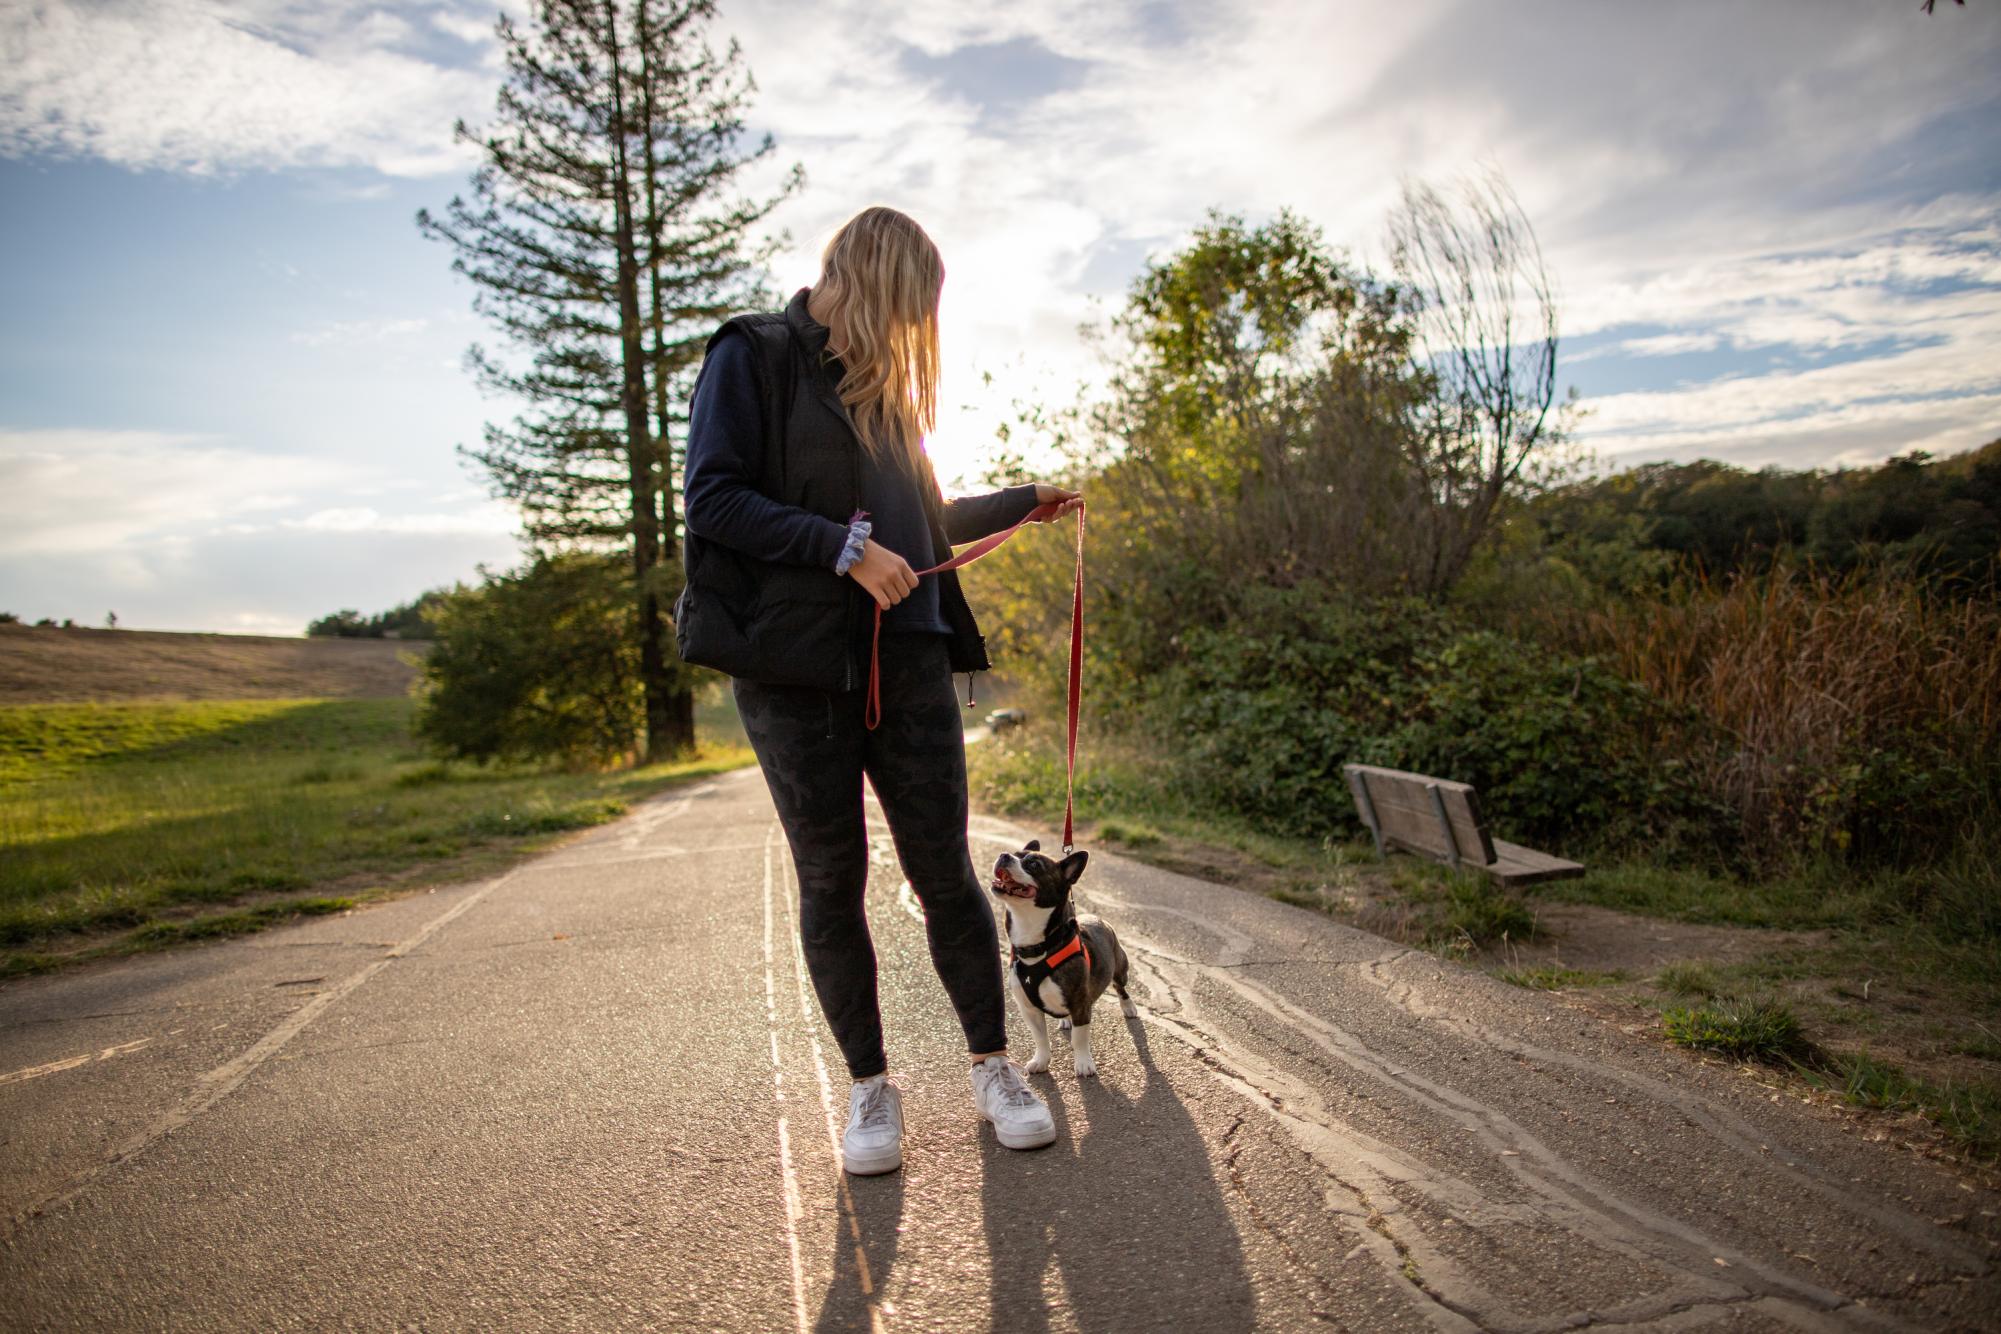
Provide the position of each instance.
(880, 277)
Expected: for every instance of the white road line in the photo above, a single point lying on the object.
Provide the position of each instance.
(811, 1022)
(794, 1209)
(226, 1078)
(71, 1062)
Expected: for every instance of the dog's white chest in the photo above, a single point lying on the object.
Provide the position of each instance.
(1051, 996)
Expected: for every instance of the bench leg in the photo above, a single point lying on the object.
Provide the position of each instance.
(1444, 823)
(1359, 785)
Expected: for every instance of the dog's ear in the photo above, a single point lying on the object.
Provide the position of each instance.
(1034, 845)
(1073, 866)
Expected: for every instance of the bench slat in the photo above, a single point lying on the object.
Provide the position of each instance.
(1405, 813)
(1518, 865)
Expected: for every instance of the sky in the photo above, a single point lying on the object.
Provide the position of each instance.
(232, 393)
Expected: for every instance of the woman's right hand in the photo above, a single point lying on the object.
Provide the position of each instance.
(884, 575)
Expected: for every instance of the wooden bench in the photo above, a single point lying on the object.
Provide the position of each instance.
(1438, 818)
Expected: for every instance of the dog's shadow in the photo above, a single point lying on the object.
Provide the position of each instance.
(1122, 1220)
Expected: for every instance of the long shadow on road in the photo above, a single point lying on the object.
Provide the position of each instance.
(1121, 1221)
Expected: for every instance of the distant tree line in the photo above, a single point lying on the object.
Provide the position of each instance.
(50, 622)
(1937, 519)
(408, 621)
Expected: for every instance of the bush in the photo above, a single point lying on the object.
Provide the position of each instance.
(536, 665)
(1304, 681)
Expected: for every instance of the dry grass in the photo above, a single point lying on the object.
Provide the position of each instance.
(1816, 686)
(46, 666)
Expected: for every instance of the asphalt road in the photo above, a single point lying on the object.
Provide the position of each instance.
(595, 1093)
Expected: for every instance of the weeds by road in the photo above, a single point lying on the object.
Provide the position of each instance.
(133, 825)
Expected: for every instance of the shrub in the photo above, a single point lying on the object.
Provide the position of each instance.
(535, 665)
(1304, 681)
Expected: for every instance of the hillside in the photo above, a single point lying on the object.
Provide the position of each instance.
(45, 665)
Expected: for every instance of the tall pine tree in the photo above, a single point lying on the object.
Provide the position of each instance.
(606, 241)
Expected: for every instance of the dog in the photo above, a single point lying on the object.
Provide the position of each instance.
(1061, 962)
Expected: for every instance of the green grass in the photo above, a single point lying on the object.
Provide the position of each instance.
(1130, 798)
(1763, 1030)
(1969, 1114)
(1802, 900)
(1745, 1030)
(1958, 897)
(144, 817)
(1981, 1046)
(1689, 979)
(1130, 833)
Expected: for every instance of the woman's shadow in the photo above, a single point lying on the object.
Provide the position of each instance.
(873, 1206)
(1121, 1220)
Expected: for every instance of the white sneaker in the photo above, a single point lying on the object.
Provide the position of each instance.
(874, 1139)
(1021, 1119)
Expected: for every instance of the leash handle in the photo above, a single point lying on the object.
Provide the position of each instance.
(872, 714)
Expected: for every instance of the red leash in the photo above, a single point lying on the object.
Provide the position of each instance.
(985, 546)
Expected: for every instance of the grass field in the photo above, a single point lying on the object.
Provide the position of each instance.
(128, 825)
(1881, 990)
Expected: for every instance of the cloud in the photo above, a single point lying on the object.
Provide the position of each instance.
(220, 87)
(362, 519)
(348, 332)
(75, 491)
(1784, 183)
(177, 531)
(1890, 342)
(1794, 179)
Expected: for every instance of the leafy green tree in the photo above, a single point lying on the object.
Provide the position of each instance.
(535, 664)
(1273, 419)
(606, 239)
(1252, 433)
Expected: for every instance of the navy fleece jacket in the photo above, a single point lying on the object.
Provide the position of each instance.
(725, 429)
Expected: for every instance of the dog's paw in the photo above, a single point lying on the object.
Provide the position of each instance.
(1127, 1008)
(1037, 1063)
(1086, 1067)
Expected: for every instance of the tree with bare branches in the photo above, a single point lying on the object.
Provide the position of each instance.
(1485, 331)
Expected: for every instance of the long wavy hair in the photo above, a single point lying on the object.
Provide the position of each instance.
(880, 277)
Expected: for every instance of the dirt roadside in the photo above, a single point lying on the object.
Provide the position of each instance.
(1625, 970)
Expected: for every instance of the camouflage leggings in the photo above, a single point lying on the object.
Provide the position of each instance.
(814, 749)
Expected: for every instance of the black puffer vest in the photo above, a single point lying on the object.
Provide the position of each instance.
(800, 624)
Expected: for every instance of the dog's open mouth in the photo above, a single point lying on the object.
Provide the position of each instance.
(1003, 885)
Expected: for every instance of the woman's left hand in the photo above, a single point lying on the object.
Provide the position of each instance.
(1046, 494)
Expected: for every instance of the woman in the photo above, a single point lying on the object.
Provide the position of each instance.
(809, 496)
